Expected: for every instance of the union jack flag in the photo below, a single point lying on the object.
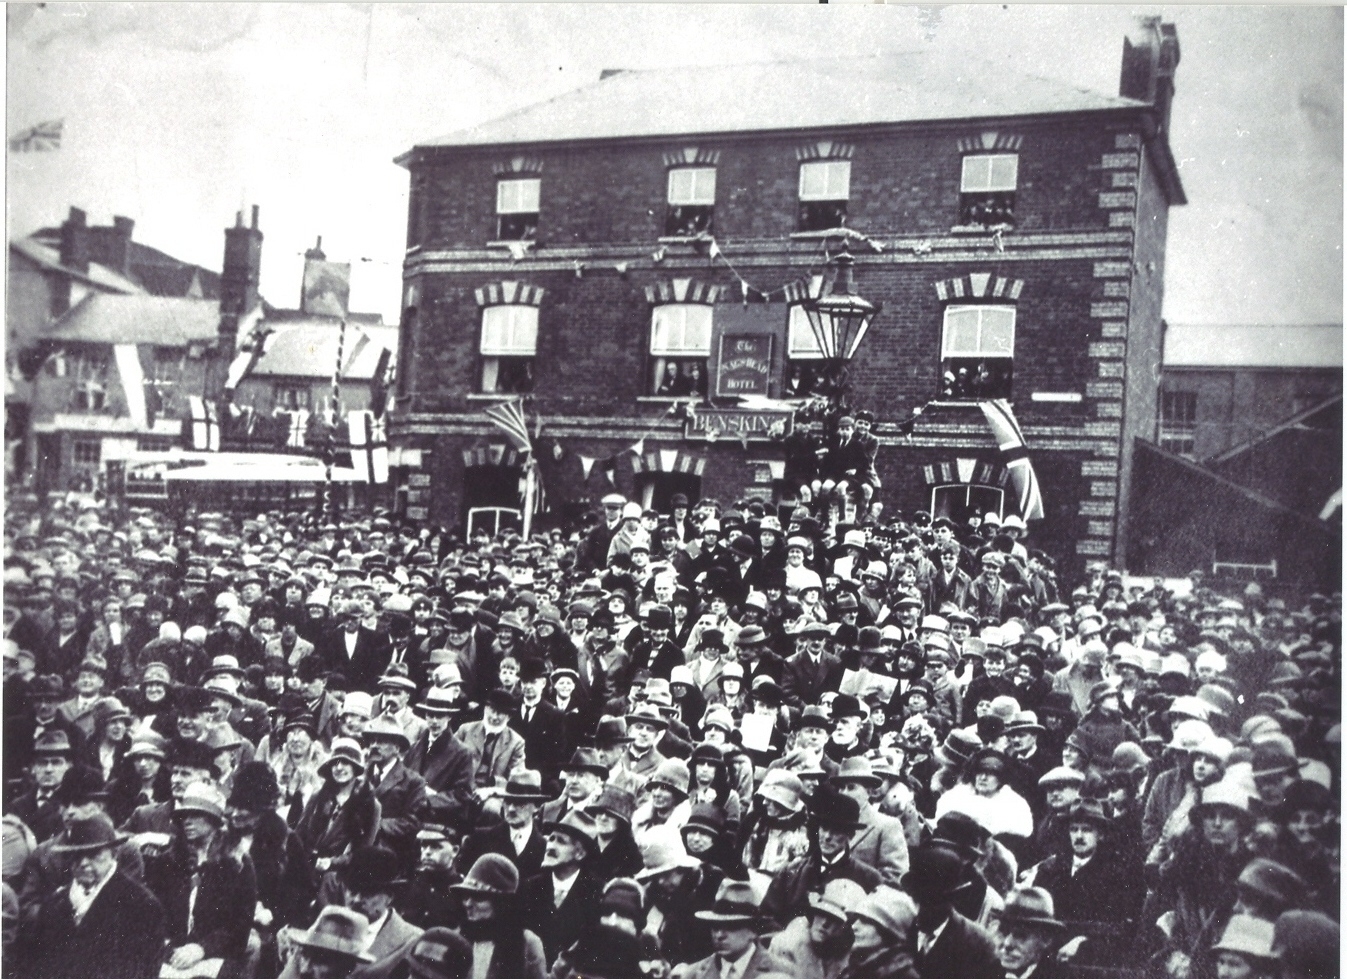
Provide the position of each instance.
(509, 418)
(42, 138)
(1015, 456)
(369, 446)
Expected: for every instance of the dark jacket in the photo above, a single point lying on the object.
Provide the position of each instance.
(327, 830)
(446, 766)
(803, 682)
(496, 839)
(964, 950)
(102, 944)
(364, 666)
(286, 882)
(400, 793)
(544, 739)
(559, 927)
(938, 591)
(787, 895)
(222, 915)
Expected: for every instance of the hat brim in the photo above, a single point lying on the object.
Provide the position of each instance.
(738, 919)
(523, 797)
(1034, 921)
(117, 840)
(688, 864)
(318, 942)
(589, 843)
(660, 722)
(1019, 728)
(466, 888)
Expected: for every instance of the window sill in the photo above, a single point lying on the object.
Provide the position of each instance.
(481, 396)
(702, 239)
(824, 233)
(980, 229)
(669, 399)
(507, 242)
(966, 403)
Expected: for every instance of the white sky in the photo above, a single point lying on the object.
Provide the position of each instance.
(178, 115)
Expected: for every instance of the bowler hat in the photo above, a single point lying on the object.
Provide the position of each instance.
(500, 700)
(961, 833)
(338, 931)
(934, 874)
(611, 731)
(833, 810)
(845, 705)
(586, 760)
(370, 870)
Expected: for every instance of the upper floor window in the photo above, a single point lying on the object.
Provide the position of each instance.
(291, 398)
(680, 346)
(692, 201)
(90, 370)
(509, 344)
(977, 352)
(1178, 421)
(825, 186)
(987, 189)
(517, 208)
(804, 357)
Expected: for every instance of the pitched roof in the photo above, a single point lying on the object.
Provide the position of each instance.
(784, 95)
(164, 321)
(1241, 345)
(158, 272)
(308, 348)
(50, 258)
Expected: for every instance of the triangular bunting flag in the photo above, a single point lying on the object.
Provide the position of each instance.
(638, 447)
(587, 465)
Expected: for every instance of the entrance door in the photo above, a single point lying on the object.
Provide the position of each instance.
(656, 489)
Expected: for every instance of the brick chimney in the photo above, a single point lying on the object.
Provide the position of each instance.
(118, 247)
(238, 294)
(1150, 56)
(74, 255)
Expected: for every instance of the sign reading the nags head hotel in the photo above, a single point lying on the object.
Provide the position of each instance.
(745, 365)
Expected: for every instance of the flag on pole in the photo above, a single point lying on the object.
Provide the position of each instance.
(42, 138)
(1015, 456)
(205, 424)
(369, 446)
(509, 418)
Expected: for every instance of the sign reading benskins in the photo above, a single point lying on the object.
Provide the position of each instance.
(714, 423)
(745, 364)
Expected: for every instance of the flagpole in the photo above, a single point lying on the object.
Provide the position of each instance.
(530, 470)
(330, 490)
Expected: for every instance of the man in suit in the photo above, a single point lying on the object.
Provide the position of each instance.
(879, 840)
(733, 922)
(542, 724)
(560, 903)
(24, 726)
(39, 809)
(517, 837)
(442, 760)
(949, 946)
(950, 583)
(1027, 932)
(1094, 881)
(497, 752)
(394, 701)
(367, 888)
(812, 669)
(584, 775)
(400, 790)
(359, 654)
(83, 928)
(633, 768)
(82, 710)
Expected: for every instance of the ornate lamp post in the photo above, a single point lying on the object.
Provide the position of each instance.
(839, 318)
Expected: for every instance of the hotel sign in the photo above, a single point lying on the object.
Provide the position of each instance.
(711, 424)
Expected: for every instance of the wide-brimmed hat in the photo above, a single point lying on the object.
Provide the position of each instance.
(340, 931)
(88, 835)
(525, 785)
(491, 874)
(1274, 881)
(839, 899)
(1025, 720)
(440, 953)
(783, 788)
(579, 825)
(223, 665)
(612, 731)
(662, 849)
(437, 701)
(359, 703)
(52, 743)
(1030, 906)
(1088, 811)
(735, 904)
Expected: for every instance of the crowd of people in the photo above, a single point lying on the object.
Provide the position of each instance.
(724, 742)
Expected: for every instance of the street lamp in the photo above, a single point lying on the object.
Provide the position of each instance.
(839, 319)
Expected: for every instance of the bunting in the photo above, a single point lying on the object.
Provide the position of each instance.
(587, 464)
(1015, 456)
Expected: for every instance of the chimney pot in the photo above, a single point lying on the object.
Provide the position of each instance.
(255, 210)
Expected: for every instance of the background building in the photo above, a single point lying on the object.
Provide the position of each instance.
(605, 260)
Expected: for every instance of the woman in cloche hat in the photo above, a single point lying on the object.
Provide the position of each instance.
(491, 922)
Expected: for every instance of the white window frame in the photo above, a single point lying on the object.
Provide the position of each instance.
(979, 175)
(681, 330)
(692, 187)
(981, 348)
(967, 489)
(831, 180)
(801, 342)
(518, 195)
(509, 331)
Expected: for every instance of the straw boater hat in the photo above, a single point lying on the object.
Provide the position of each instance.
(734, 905)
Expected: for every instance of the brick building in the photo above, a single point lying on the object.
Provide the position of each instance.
(591, 254)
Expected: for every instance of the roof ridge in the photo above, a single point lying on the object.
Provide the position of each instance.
(1276, 429)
